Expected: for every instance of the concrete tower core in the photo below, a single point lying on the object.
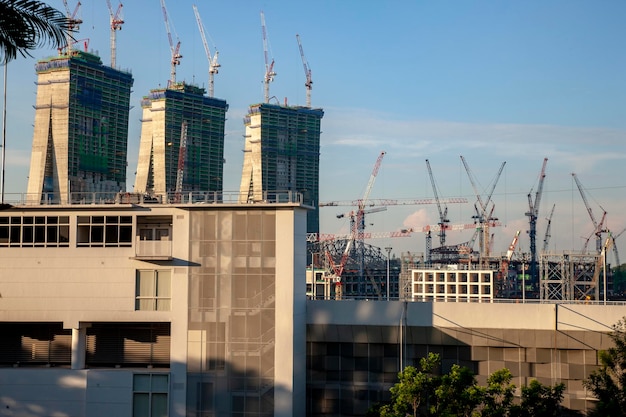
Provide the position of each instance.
(80, 137)
(281, 153)
(164, 111)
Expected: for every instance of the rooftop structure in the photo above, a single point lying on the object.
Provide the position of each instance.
(181, 117)
(281, 152)
(80, 136)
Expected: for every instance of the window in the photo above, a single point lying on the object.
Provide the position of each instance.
(150, 393)
(35, 231)
(99, 231)
(153, 290)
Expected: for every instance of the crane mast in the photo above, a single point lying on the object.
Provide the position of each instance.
(175, 50)
(533, 214)
(116, 22)
(269, 67)
(213, 64)
(73, 24)
(307, 72)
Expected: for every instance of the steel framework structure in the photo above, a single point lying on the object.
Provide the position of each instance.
(569, 276)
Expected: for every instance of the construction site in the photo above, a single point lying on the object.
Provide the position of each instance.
(349, 267)
(182, 153)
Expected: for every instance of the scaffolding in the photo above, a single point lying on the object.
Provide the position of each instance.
(157, 170)
(569, 276)
(81, 119)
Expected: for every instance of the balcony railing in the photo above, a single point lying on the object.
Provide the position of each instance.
(153, 249)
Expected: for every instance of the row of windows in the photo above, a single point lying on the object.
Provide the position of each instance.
(35, 231)
(98, 231)
(54, 231)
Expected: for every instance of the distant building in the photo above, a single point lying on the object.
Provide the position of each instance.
(281, 152)
(451, 284)
(164, 111)
(80, 137)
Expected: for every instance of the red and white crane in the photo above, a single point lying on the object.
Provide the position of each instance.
(73, 25)
(357, 225)
(174, 49)
(182, 153)
(307, 72)
(269, 66)
(213, 64)
(116, 21)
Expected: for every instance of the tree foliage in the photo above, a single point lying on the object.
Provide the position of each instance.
(608, 383)
(28, 24)
(423, 391)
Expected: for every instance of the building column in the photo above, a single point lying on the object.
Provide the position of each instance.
(79, 345)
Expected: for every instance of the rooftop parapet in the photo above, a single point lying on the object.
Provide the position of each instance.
(121, 198)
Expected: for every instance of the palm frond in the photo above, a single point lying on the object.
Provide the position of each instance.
(26, 25)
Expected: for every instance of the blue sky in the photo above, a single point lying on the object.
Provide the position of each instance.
(492, 81)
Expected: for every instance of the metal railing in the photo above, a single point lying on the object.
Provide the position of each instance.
(172, 198)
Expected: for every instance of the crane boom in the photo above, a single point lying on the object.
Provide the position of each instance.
(546, 238)
(597, 227)
(443, 213)
(269, 67)
(213, 64)
(174, 49)
(394, 202)
(116, 22)
(307, 72)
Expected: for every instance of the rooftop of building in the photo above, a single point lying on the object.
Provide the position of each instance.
(86, 58)
(172, 199)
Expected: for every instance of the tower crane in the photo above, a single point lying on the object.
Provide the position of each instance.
(269, 67)
(546, 238)
(443, 213)
(307, 72)
(482, 218)
(175, 50)
(73, 24)
(443, 220)
(533, 214)
(116, 21)
(213, 64)
(597, 227)
(182, 153)
(356, 232)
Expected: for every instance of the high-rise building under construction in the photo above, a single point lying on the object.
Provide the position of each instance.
(281, 153)
(181, 118)
(80, 137)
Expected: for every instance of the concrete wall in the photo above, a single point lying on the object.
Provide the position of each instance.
(65, 393)
(356, 348)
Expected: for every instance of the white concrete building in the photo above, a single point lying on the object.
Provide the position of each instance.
(452, 284)
(141, 310)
